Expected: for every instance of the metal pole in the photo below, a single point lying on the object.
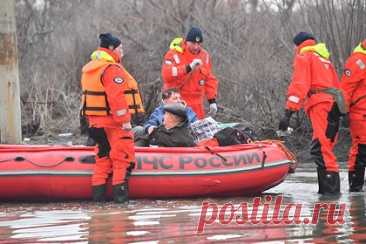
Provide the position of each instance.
(10, 116)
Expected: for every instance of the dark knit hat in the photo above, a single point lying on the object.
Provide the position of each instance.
(194, 35)
(177, 109)
(301, 37)
(107, 39)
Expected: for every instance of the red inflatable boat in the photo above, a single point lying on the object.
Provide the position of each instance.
(64, 172)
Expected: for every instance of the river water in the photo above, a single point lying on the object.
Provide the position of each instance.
(176, 220)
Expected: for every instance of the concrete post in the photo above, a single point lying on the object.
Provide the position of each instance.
(10, 114)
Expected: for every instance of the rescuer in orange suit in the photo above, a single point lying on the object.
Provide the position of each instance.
(187, 67)
(354, 88)
(104, 84)
(314, 86)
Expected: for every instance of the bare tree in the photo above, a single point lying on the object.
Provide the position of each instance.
(250, 43)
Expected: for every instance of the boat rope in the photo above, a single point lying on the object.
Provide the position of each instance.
(290, 155)
(215, 153)
(22, 159)
(264, 158)
(6, 160)
(280, 144)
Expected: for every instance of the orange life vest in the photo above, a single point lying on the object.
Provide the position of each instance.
(94, 98)
(133, 95)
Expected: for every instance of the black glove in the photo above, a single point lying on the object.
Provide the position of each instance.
(285, 121)
(188, 68)
(137, 119)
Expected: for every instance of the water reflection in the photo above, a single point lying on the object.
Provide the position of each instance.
(357, 220)
(44, 226)
(175, 221)
(108, 226)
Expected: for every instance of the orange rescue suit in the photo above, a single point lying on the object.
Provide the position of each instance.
(104, 83)
(313, 72)
(193, 86)
(354, 88)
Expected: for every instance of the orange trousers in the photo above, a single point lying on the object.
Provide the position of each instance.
(196, 102)
(357, 153)
(199, 110)
(115, 153)
(324, 119)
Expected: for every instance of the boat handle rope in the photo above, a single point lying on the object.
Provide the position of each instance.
(21, 159)
(290, 155)
(216, 153)
(6, 160)
(264, 158)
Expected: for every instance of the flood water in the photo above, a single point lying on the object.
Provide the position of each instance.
(176, 221)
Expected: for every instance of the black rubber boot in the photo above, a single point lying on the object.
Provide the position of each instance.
(321, 175)
(99, 193)
(356, 179)
(329, 182)
(90, 142)
(120, 193)
(333, 183)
